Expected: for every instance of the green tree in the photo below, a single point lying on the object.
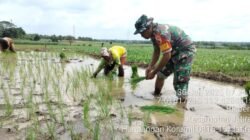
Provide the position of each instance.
(70, 39)
(37, 37)
(13, 32)
(10, 30)
(54, 38)
(7, 24)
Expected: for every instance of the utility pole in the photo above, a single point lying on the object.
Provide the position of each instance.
(74, 31)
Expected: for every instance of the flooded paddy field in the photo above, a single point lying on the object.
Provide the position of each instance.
(43, 97)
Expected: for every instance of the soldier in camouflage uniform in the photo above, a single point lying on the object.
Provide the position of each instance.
(177, 54)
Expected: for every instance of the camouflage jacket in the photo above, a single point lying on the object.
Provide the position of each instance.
(171, 39)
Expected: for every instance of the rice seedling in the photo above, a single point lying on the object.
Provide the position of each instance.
(146, 119)
(121, 110)
(1, 123)
(104, 108)
(75, 136)
(112, 75)
(96, 131)
(75, 85)
(8, 105)
(51, 130)
(86, 120)
(31, 109)
(49, 106)
(104, 99)
(247, 90)
(130, 116)
(30, 104)
(60, 102)
(31, 135)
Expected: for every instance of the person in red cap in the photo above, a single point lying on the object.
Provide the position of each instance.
(111, 59)
(6, 43)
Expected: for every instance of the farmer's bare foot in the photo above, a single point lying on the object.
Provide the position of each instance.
(157, 92)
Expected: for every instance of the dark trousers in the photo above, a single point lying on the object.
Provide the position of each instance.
(4, 44)
(109, 68)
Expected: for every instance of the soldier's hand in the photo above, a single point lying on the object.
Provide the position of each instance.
(150, 75)
(148, 70)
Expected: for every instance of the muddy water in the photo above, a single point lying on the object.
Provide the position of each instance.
(213, 110)
(211, 106)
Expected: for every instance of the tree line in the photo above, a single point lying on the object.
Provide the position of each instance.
(8, 29)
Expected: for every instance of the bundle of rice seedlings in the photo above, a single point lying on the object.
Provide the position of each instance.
(137, 79)
(157, 108)
(134, 71)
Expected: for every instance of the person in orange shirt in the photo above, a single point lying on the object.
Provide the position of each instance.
(112, 58)
(6, 43)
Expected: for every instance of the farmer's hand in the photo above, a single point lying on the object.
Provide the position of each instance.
(150, 75)
(148, 69)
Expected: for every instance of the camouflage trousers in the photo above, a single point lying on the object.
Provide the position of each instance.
(180, 65)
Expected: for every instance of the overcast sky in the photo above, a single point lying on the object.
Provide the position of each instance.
(208, 20)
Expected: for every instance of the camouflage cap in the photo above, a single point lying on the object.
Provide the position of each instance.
(142, 23)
